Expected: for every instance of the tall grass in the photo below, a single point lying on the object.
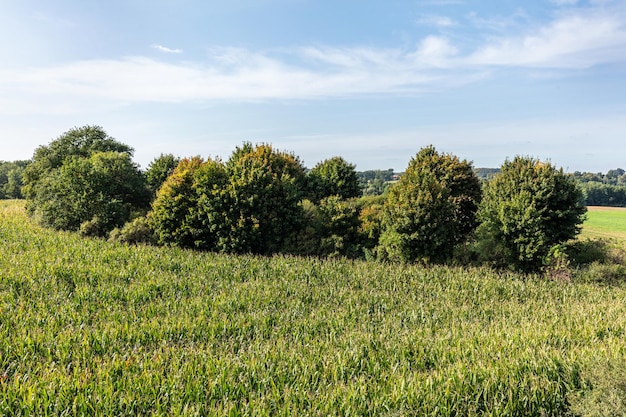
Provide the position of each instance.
(89, 327)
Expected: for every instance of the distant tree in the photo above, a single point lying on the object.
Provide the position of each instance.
(333, 176)
(431, 209)
(84, 179)
(527, 209)
(11, 179)
(159, 169)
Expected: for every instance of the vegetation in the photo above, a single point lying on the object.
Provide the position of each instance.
(93, 327)
(605, 222)
(527, 209)
(84, 180)
(431, 209)
(11, 179)
(158, 170)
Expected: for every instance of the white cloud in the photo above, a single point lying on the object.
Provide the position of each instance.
(166, 49)
(436, 20)
(574, 41)
(571, 41)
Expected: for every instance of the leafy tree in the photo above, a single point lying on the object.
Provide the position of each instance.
(265, 188)
(527, 209)
(188, 210)
(159, 169)
(84, 179)
(11, 178)
(333, 176)
(431, 209)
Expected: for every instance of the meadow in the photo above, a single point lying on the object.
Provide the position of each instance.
(89, 327)
(605, 222)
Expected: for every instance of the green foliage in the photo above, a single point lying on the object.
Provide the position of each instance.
(11, 179)
(527, 209)
(78, 142)
(134, 232)
(91, 327)
(158, 170)
(431, 209)
(94, 194)
(84, 180)
(265, 188)
(333, 176)
(605, 393)
(188, 209)
(339, 227)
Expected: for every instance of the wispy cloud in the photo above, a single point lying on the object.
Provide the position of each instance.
(571, 41)
(166, 49)
(436, 21)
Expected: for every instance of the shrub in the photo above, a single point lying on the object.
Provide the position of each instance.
(134, 232)
(527, 208)
(431, 209)
(333, 176)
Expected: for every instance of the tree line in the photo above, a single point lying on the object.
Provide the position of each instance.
(264, 201)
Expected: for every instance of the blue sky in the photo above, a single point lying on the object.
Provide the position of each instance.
(372, 81)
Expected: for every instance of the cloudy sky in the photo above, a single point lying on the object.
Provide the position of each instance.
(370, 80)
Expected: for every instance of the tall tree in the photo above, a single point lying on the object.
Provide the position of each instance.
(431, 209)
(529, 207)
(87, 178)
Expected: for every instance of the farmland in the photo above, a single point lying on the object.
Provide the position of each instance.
(91, 327)
(605, 222)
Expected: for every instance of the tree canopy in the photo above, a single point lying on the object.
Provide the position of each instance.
(529, 207)
(431, 209)
(84, 178)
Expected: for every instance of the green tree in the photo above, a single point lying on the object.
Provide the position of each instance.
(11, 178)
(189, 207)
(431, 209)
(333, 176)
(528, 207)
(84, 179)
(159, 169)
(265, 188)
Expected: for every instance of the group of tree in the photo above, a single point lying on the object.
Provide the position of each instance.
(603, 189)
(11, 179)
(263, 201)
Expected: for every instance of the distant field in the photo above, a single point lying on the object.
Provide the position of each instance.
(605, 222)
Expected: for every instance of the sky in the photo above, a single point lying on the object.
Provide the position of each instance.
(372, 81)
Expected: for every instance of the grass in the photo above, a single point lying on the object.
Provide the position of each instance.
(605, 222)
(89, 327)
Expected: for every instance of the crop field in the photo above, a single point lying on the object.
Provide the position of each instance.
(89, 327)
(605, 222)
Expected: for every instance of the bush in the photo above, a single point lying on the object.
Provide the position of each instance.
(333, 176)
(134, 232)
(431, 209)
(527, 208)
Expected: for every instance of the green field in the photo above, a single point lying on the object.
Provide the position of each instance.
(94, 328)
(605, 222)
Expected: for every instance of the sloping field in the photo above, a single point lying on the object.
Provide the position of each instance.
(605, 222)
(93, 328)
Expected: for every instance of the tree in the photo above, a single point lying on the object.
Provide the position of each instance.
(189, 207)
(265, 188)
(431, 209)
(333, 176)
(159, 169)
(529, 207)
(84, 179)
(11, 178)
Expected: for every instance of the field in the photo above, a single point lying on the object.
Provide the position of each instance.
(94, 328)
(605, 222)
